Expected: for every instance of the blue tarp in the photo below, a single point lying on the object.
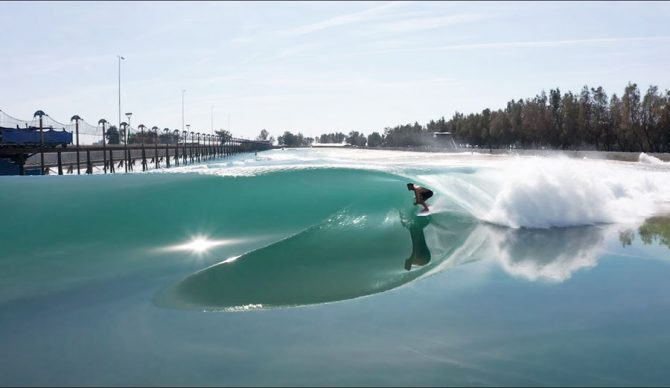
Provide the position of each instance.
(57, 137)
(31, 137)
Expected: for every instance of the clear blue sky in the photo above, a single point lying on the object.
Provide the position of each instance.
(317, 67)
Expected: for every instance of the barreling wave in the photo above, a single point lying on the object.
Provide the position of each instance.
(324, 227)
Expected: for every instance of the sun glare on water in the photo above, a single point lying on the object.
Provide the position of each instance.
(198, 244)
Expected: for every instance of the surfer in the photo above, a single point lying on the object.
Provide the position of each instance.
(421, 194)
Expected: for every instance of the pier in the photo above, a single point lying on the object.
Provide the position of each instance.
(36, 147)
(120, 158)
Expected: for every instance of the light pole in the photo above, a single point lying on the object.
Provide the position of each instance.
(104, 151)
(156, 145)
(144, 155)
(127, 132)
(120, 58)
(182, 108)
(125, 146)
(76, 119)
(190, 149)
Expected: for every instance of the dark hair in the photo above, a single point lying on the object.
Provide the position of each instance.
(410, 186)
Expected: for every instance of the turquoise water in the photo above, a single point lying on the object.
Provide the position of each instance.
(299, 267)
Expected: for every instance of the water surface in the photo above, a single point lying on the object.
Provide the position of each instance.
(299, 267)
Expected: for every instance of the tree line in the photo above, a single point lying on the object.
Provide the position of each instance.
(566, 121)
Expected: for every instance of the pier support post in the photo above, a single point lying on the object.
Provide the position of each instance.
(111, 161)
(60, 164)
(89, 166)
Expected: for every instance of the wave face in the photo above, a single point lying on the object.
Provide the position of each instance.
(298, 227)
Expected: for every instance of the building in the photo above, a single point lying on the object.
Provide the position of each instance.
(444, 139)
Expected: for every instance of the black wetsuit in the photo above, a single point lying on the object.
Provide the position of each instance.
(426, 194)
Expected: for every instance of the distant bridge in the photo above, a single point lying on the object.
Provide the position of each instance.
(29, 153)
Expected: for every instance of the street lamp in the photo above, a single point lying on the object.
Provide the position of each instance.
(127, 132)
(124, 127)
(120, 58)
(182, 108)
(144, 155)
(141, 127)
(76, 119)
(104, 151)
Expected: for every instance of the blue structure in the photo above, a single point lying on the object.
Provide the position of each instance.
(32, 136)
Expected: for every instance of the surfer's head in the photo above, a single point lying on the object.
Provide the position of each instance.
(410, 186)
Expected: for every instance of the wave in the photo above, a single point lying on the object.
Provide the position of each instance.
(648, 159)
(328, 228)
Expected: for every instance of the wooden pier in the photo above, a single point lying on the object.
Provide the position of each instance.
(122, 158)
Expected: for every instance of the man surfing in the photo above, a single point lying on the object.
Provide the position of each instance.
(421, 194)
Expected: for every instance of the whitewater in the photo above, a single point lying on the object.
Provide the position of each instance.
(296, 265)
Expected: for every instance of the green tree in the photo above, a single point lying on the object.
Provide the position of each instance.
(650, 118)
(630, 118)
(332, 138)
(404, 135)
(586, 132)
(375, 139)
(224, 135)
(356, 139)
(557, 133)
(569, 121)
(664, 123)
(265, 136)
(289, 139)
(112, 135)
(615, 118)
(600, 119)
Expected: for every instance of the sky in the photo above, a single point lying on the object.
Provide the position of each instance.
(317, 67)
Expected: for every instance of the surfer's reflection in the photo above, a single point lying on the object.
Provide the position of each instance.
(420, 253)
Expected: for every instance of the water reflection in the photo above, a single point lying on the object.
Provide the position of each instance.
(548, 254)
(420, 253)
(655, 230)
(347, 256)
(352, 255)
